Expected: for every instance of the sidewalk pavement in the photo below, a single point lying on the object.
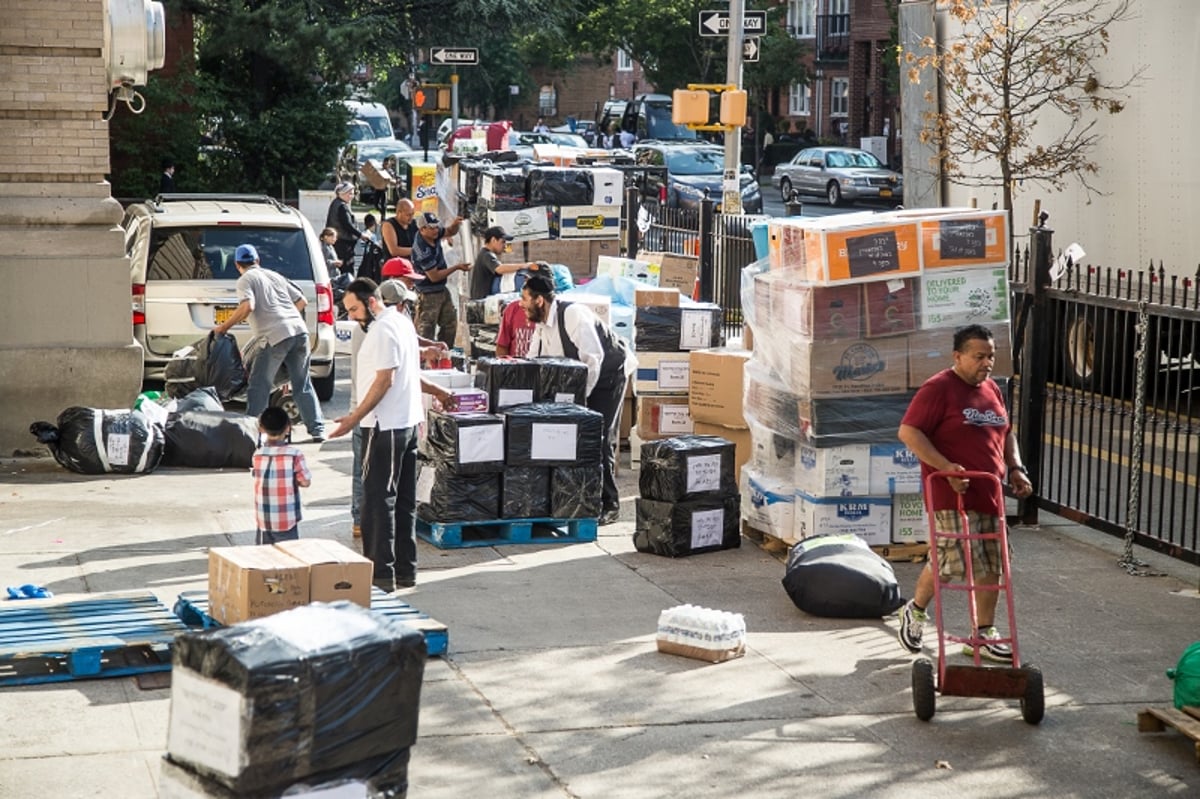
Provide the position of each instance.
(552, 686)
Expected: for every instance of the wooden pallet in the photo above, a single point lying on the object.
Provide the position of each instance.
(85, 636)
(915, 553)
(500, 532)
(912, 553)
(768, 541)
(192, 608)
(1187, 721)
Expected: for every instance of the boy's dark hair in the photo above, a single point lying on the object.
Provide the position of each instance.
(274, 421)
(961, 337)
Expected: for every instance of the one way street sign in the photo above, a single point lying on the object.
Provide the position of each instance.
(750, 49)
(716, 23)
(454, 56)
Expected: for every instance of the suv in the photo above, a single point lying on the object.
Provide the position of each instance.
(180, 248)
(648, 116)
(692, 172)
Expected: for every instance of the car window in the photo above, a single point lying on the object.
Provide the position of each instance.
(688, 161)
(206, 253)
(802, 158)
(861, 158)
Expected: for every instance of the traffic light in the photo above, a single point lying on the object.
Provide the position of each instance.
(733, 107)
(425, 99)
(689, 107)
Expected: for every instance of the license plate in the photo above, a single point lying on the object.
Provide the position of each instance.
(885, 192)
(221, 313)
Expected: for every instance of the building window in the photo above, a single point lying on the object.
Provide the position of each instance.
(624, 62)
(802, 18)
(547, 101)
(839, 17)
(799, 98)
(839, 99)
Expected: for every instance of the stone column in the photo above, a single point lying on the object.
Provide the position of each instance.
(66, 334)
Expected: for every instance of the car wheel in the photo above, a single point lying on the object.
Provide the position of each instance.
(785, 189)
(834, 192)
(324, 387)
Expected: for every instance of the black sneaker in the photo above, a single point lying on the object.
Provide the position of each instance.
(609, 517)
(385, 584)
(992, 650)
(912, 624)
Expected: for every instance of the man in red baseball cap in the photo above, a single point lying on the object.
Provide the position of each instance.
(401, 269)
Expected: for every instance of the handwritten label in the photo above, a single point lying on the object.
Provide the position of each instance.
(708, 528)
(703, 473)
(481, 444)
(962, 238)
(206, 722)
(513, 396)
(674, 374)
(873, 254)
(117, 449)
(674, 419)
(695, 330)
(554, 442)
(425, 482)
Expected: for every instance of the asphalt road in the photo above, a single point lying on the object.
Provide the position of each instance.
(812, 206)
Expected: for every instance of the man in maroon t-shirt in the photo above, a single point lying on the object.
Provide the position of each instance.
(516, 332)
(958, 422)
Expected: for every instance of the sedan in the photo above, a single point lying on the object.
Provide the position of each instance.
(694, 172)
(839, 174)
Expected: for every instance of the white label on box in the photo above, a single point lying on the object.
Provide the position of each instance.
(564, 396)
(703, 473)
(425, 484)
(674, 374)
(708, 528)
(481, 444)
(674, 419)
(514, 396)
(206, 722)
(116, 448)
(554, 442)
(695, 330)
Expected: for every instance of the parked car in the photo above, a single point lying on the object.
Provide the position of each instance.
(648, 116)
(583, 127)
(521, 142)
(183, 277)
(694, 171)
(839, 174)
(568, 139)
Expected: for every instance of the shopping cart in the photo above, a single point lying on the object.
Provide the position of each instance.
(1023, 682)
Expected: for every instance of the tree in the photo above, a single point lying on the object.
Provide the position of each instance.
(1018, 65)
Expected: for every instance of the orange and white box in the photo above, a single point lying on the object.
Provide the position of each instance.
(961, 238)
(861, 250)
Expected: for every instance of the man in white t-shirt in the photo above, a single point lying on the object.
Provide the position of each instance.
(388, 408)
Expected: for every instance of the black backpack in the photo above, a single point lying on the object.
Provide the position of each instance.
(612, 368)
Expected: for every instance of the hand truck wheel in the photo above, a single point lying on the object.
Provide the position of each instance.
(923, 691)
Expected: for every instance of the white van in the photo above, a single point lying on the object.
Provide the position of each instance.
(375, 115)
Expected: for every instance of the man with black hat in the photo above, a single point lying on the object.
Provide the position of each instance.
(436, 314)
(487, 264)
(571, 330)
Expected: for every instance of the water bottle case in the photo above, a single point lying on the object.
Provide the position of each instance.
(704, 634)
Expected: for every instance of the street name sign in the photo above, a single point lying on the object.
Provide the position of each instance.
(454, 56)
(716, 23)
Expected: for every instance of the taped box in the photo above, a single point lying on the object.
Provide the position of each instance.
(662, 373)
(851, 249)
(715, 381)
(663, 417)
(965, 237)
(850, 368)
(843, 471)
(250, 582)
(334, 570)
(869, 518)
(957, 297)
(524, 224)
(586, 221)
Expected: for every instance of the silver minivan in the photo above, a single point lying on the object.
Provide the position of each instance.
(184, 279)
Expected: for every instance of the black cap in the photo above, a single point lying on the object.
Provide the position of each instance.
(539, 283)
(496, 232)
(429, 219)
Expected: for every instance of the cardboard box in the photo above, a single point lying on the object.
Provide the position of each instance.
(785, 243)
(853, 249)
(833, 471)
(650, 297)
(250, 582)
(889, 307)
(599, 247)
(621, 322)
(576, 255)
(334, 571)
(524, 224)
(470, 400)
(600, 304)
(608, 186)
(910, 521)
(869, 518)
(377, 176)
(715, 380)
(817, 312)
(675, 271)
(849, 368)
(768, 503)
(743, 446)
(772, 454)
(586, 221)
(662, 417)
(634, 269)
(957, 297)
(931, 351)
(662, 373)
(894, 470)
(965, 237)
(626, 418)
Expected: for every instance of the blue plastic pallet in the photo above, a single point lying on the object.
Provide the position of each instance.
(192, 608)
(81, 637)
(456, 535)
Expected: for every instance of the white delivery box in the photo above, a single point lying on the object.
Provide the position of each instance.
(894, 470)
(843, 471)
(910, 520)
(524, 224)
(768, 504)
(608, 187)
(869, 518)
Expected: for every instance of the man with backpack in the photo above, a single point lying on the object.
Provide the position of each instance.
(571, 330)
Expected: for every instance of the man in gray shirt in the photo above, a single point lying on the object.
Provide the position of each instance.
(273, 305)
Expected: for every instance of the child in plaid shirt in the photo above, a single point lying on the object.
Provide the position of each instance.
(279, 473)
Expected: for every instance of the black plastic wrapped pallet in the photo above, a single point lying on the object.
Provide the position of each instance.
(575, 491)
(470, 176)
(525, 492)
(508, 189)
(475, 310)
(95, 441)
(507, 381)
(835, 422)
(322, 687)
(382, 777)
(551, 185)
(676, 529)
(561, 380)
(443, 496)
(688, 327)
(483, 340)
(465, 443)
(479, 214)
(553, 434)
(686, 467)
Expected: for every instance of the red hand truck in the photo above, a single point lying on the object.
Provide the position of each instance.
(993, 682)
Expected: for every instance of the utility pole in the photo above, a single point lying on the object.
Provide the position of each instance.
(731, 186)
(453, 101)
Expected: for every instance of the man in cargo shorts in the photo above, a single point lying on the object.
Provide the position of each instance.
(958, 422)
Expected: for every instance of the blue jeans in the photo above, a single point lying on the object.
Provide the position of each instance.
(292, 353)
(356, 489)
(389, 506)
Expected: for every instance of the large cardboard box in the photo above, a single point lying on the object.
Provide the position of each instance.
(715, 386)
(889, 307)
(524, 224)
(626, 418)
(910, 521)
(600, 304)
(662, 373)
(931, 351)
(586, 221)
(856, 250)
(894, 469)
(253, 581)
(743, 445)
(599, 247)
(957, 297)
(608, 186)
(768, 503)
(818, 312)
(574, 254)
(849, 368)
(675, 271)
(833, 471)
(662, 417)
(651, 297)
(632, 268)
(334, 570)
(785, 243)
(965, 237)
(869, 518)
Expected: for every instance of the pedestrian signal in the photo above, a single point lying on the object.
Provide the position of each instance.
(425, 99)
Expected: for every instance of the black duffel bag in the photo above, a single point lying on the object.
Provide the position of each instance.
(211, 440)
(838, 576)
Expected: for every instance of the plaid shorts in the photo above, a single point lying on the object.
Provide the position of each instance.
(985, 555)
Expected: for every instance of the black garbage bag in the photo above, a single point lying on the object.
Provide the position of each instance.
(202, 399)
(838, 576)
(95, 441)
(210, 440)
(211, 361)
